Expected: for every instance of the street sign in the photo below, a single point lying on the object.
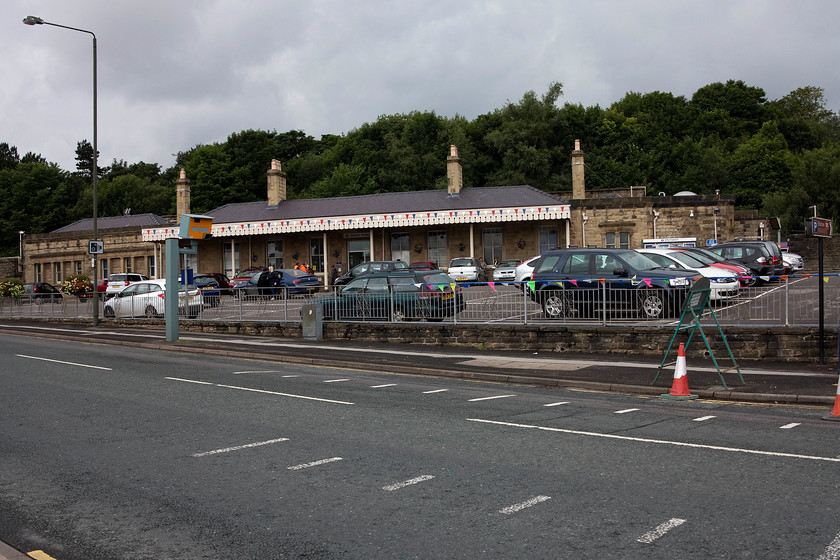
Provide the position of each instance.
(818, 227)
(96, 247)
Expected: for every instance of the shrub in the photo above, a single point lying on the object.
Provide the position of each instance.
(11, 287)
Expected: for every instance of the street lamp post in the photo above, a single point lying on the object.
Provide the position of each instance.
(20, 249)
(33, 20)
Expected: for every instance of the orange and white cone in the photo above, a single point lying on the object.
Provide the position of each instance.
(679, 389)
(835, 412)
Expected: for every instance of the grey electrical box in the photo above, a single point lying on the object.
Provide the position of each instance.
(312, 317)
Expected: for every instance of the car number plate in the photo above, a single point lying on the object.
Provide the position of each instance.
(447, 296)
(461, 278)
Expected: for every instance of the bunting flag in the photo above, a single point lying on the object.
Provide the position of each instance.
(492, 286)
(532, 286)
(806, 276)
(452, 285)
(574, 282)
(646, 281)
(825, 279)
(602, 281)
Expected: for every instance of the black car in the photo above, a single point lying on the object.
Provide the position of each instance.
(758, 256)
(278, 284)
(39, 292)
(587, 282)
(398, 295)
(368, 268)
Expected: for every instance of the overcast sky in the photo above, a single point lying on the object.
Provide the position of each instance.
(173, 74)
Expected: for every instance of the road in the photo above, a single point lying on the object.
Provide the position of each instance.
(120, 453)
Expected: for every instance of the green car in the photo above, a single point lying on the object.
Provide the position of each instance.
(395, 296)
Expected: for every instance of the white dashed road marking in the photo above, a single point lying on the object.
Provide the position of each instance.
(648, 538)
(661, 441)
(491, 398)
(556, 403)
(626, 410)
(238, 447)
(435, 391)
(526, 504)
(61, 362)
(314, 463)
(386, 385)
(398, 485)
(703, 418)
(832, 552)
(789, 426)
(259, 391)
(335, 380)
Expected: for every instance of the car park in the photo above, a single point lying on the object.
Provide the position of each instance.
(396, 296)
(39, 292)
(467, 269)
(505, 271)
(289, 281)
(368, 268)
(146, 298)
(213, 286)
(724, 284)
(118, 281)
(586, 282)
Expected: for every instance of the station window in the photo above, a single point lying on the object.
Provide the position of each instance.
(617, 240)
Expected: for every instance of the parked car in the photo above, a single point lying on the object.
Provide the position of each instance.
(422, 265)
(246, 273)
(724, 283)
(116, 282)
(102, 285)
(39, 292)
(368, 268)
(213, 286)
(467, 269)
(793, 261)
(289, 281)
(396, 295)
(580, 282)
(505, 271)
(525, 270)
(743, 272)
(755, 256)
(146, 299)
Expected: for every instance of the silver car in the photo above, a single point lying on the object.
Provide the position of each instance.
(146, 299)
(506, 270)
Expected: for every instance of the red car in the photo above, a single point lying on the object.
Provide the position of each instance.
(422, 265)
(102, 285)
(711, 259)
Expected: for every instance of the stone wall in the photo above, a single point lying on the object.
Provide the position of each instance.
(9, 268)
(747, 344)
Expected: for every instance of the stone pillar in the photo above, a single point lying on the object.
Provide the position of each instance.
(578, 186)
(276, 184)
(454, 171)
(182, 195)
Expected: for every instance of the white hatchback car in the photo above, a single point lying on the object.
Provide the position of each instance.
(146, 299)
(118, 281)
(467, 269)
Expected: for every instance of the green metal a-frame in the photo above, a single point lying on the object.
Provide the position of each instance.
(697, 304)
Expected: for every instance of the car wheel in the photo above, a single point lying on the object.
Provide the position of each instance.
(151, 312)
(109, 312)
(652, 303)
(555, 303)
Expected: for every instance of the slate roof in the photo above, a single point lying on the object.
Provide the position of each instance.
(385, 203)
(114, 222)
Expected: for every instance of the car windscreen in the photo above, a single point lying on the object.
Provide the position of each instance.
(204, 280)
(638, 260)
(687, 259)
(462, 262)
(437, 278)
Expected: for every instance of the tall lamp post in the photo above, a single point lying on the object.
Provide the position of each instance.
(32, 20)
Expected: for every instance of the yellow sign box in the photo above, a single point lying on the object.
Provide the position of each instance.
(195, 227)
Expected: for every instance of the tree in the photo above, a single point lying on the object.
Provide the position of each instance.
(84, 160)
(8, 156)
(760, 166)
(744, 105)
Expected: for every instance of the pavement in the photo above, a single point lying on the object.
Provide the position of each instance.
(807, 384)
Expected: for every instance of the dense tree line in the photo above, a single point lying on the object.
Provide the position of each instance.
(776, 156)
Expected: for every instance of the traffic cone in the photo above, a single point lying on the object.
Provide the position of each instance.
(679, 389)
(835, 412)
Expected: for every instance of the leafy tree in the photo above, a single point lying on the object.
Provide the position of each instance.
(760, 166)
(8, 156)
(745, 105)
(84, 160)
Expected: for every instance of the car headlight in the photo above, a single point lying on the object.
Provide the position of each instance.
(720, 280)
(680, 281)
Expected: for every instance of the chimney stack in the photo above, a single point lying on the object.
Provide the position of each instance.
(182, 195)
(276, 184)
(454, 172)
(578, 186)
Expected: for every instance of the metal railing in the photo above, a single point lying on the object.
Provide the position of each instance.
(786, 301)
